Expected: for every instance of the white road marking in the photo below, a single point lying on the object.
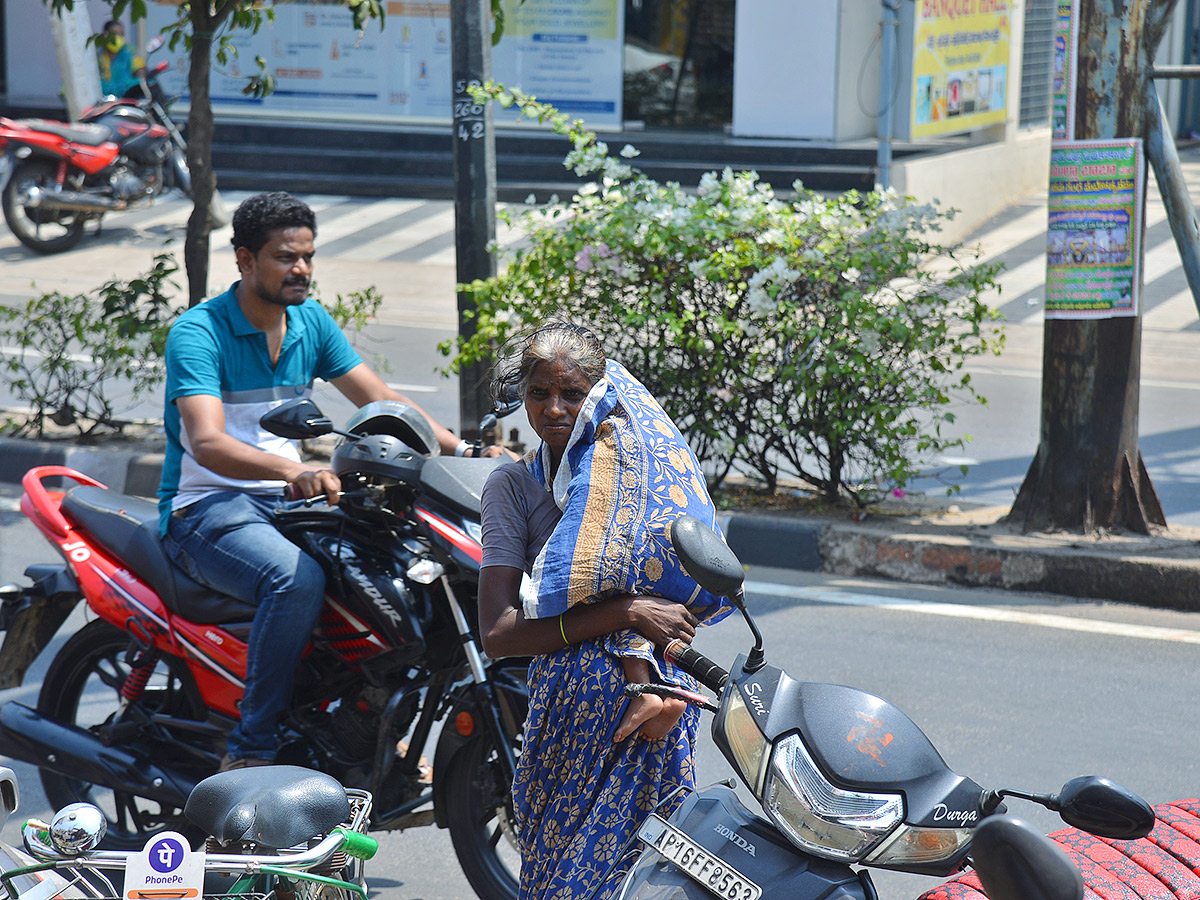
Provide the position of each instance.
(984, 613)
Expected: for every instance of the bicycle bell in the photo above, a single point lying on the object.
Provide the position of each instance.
(77, 828)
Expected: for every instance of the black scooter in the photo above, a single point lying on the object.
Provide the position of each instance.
(846, 779)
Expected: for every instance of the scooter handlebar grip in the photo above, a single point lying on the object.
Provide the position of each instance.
(699, 666)
(357, 844)
(291, 492)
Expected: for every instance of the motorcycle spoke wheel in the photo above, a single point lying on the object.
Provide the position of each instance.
(83, 687)
(41, 230)
(481, 821)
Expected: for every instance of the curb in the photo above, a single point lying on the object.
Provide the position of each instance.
(1059, 565)
(1165, 575)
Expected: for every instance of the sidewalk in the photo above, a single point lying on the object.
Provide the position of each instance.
(913, 541)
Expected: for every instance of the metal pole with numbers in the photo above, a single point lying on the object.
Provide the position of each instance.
(474, 186)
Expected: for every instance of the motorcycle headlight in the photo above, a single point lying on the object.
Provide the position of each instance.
(911, 846)
(819, 817)
(748, 745)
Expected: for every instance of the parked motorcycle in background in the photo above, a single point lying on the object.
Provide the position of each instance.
(121, 154)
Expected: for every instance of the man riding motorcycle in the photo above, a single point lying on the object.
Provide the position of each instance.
(230, 360)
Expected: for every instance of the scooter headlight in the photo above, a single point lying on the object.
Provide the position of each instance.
(818, 816)
(913, 846)
(747, 743)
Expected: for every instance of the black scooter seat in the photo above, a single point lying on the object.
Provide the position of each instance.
(273, 806)
(128, 528)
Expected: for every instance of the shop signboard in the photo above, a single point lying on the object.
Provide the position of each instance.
(567, 52)
(1093, 236)
(960, 55)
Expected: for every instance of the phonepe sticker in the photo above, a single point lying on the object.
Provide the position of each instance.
(165, 869)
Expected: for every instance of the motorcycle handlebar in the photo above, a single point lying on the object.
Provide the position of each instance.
(696, 664)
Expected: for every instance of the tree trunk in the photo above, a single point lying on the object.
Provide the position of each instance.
(1088, 472)
(199, 154)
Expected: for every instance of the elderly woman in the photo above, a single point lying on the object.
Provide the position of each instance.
(582, 786)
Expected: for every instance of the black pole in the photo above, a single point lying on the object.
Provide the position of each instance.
(474, 186)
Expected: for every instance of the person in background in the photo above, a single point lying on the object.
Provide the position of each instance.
(120, 70)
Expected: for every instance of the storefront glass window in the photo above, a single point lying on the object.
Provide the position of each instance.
(679, 63)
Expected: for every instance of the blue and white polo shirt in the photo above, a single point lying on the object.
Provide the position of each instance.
(213, 349)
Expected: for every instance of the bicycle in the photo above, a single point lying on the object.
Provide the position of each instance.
(271, 833)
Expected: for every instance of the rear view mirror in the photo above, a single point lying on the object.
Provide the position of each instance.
(1103, 807)
(297, 420)
(1015, 862)
(706, 557)
(508, 402)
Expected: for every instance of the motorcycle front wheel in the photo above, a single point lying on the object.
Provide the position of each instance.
(83, 688)
(481, 822)
(41, 230)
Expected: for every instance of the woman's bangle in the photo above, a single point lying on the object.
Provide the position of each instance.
(562, 630)
(462, 448)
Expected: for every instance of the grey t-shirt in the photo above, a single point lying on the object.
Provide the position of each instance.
(518, 517)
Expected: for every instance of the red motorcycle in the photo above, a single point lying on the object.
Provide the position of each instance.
(122, 153)
(135, 706)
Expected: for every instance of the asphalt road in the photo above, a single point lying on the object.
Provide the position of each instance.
(1016, 690)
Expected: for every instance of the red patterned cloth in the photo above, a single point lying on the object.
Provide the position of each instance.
(1164, 865)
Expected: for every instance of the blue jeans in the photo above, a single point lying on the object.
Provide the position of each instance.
(228, 542)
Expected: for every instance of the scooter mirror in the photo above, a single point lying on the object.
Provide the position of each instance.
(296, 419)
(706, 557)
(1015, 862)
(9, 794)
(1103, 807)
(509, 401)
(154, 43)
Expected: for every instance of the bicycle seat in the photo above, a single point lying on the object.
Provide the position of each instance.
(128, 528)
(273, 806)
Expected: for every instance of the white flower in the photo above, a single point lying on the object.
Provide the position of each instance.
(851, 274)
(629, 151)
(530, 200)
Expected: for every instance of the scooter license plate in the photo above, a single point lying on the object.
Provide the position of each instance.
(703, 867)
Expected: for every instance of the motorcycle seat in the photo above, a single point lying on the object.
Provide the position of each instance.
(273, 806)
(458, 481)
(92, 135)
(1164, 865)
(128, 528)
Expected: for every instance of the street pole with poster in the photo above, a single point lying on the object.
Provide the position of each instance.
(474, 188)
(1088, 473)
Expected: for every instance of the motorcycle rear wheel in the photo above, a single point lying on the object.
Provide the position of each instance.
(41, 230)
(481, 822)
(83, 687)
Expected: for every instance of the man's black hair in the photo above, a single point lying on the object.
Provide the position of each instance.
(258, 216)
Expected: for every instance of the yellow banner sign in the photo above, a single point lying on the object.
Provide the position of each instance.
(960, 65)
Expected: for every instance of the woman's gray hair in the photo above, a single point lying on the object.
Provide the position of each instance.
(553, 340)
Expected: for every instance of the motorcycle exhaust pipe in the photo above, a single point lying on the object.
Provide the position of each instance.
(36, 198)
(27, 735)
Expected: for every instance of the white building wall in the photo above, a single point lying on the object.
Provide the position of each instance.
(785, 69)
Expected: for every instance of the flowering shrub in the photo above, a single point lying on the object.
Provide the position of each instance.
(813, 338)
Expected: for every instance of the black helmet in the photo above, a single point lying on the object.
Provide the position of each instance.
(381, 458)
(399, 420)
